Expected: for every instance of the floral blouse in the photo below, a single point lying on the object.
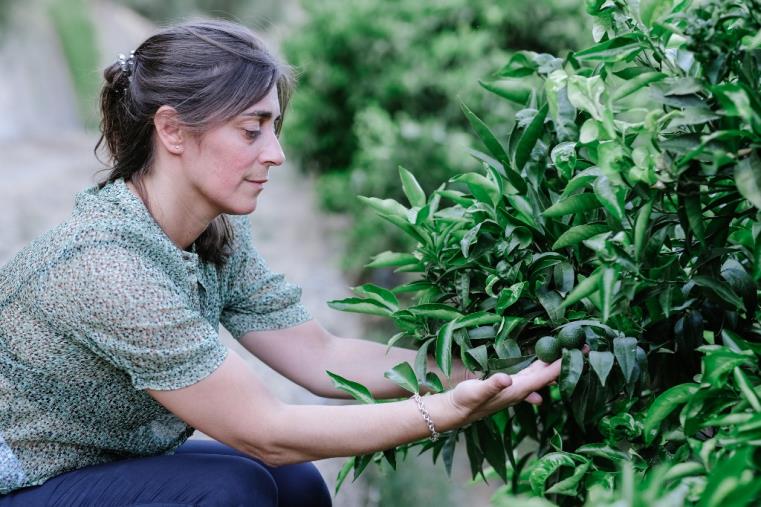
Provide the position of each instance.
(102, 307)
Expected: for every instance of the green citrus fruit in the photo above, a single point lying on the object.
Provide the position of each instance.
(547, 349)
(571, 337)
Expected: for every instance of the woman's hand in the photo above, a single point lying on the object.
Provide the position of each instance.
(475, 399)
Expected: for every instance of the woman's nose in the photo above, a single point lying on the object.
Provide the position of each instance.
(273, 153)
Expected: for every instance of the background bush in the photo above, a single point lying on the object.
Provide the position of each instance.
(625, 203)
(378, 88)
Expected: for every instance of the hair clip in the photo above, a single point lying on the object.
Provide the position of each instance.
(127, 64)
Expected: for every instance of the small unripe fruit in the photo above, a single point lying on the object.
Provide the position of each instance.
(571, 337)
(547, 349)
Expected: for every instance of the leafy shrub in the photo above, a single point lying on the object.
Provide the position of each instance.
(378, 83)
(626, 201)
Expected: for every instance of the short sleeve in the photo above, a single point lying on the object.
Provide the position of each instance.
(130, 313)
(257, 299)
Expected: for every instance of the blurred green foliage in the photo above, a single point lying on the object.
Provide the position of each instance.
(71, 19)
(258, 15)
(380, 85)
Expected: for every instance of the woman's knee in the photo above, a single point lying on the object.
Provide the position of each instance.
(242, 482)
(301, 485)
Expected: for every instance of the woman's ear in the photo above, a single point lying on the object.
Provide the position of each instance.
(169, 129)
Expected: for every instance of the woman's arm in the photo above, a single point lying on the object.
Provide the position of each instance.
(233, 406)
(303, 353)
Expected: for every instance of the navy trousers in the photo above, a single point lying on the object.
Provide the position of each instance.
(200, 473)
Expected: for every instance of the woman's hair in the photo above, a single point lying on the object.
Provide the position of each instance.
(209, 72)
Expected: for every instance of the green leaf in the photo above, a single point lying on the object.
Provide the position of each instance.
(510, 365)
(625, 350)
(470, 237)
(552, 303)
(520, 64)
(344, 472)
(748, 179)
(583, 289)
(481, 187)
(529, 138)
(601, 363)
(739, 101)
(561, 110)
(577, 234)
(721, 289)
(612, 157)
(581, 180)
(545, 467)
(732, 482)
(607, 289)
(435, 311)
(379, 294)
(412, 188)
(663, 405)
(421, 359)
(719, 363)
(599, 450)
(610, 197)
(358, 391)
(632, 85)
(574, 204)
(570, 485)
(571, 368)
(361, 463)
(492, 447)
(390, 455)
(480, 356)
(447, 452)
(477, 319)
(404, 376)
(485, 134)
(693, 210)
(432, 381)
(508, 296)
(357, 305)
(613, 50)
(652, 10)
(746, 389)
(444, 348)
(587, 94)
(515, 90)
(563, 156)
(385, 207)
(390, 259)
(640, 229)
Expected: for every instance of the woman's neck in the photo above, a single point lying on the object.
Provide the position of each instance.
(171, 207)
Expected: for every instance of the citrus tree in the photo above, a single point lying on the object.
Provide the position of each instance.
(621, 212)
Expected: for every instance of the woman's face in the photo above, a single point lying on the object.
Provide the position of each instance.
(228, 165)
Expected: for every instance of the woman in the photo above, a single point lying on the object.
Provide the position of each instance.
(109, 352)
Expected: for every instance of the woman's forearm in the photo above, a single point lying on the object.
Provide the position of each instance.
(306, 432)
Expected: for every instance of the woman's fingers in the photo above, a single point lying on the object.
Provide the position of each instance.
(498, 382)
(534, 399)
(535, 379)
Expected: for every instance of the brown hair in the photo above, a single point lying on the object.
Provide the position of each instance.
(209, 72)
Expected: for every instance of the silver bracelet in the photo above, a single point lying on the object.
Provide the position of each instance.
(426, 416)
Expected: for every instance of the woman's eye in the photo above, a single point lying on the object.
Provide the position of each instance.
(252, 134)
